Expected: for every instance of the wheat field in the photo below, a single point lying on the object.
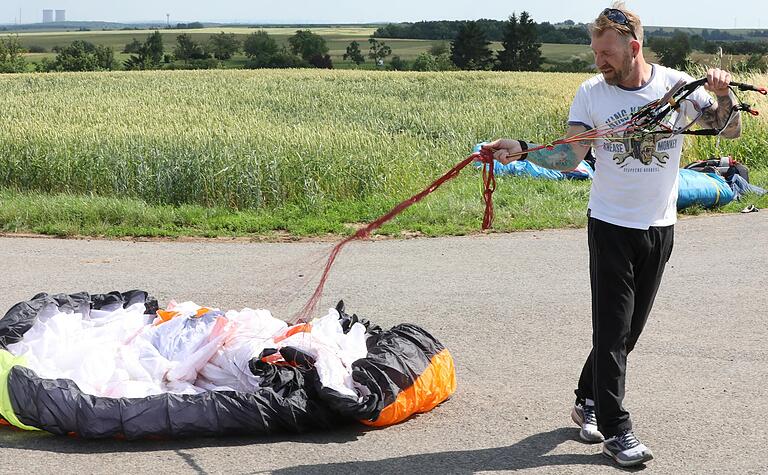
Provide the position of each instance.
(269, 139)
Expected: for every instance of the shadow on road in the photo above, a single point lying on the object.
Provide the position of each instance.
(530, 452)
(46, 442)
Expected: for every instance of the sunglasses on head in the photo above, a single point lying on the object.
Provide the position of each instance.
(620, 18)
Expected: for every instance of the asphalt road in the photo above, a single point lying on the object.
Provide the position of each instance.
(514, 311)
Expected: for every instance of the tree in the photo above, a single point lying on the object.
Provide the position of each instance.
(154, 48)
(425, 62)
(307, 45)
(697, 42)
(444, 62)
(260, 48)
(379, 51)
(264, 52)
(11, 55)
(80, 56)
(509, 56)
(189, 26)
(133, 47)
(398, 64)
(469, 50)
(285, 59)
(521, 49)
(149, 56)
(439, 48)
(321, 61)
(530, 47)
(429, 62)
(354, 54)
(259, 44)
(223, 45)
(672, 52)
(187, 49)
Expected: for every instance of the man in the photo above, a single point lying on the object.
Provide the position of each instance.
(632, 211)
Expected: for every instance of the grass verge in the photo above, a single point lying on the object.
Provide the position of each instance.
(455, 209)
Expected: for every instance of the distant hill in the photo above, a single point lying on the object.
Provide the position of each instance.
(76, 25)
(435, 30)
(105, 25)
(712, 34)
(561, 33)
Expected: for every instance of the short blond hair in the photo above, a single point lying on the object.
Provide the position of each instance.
(602, 23)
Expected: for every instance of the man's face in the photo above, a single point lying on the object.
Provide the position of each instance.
(613, 56)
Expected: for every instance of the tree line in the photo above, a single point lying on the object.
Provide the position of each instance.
(304, 49)
(675, 51)
(469, 49)
(568, 33)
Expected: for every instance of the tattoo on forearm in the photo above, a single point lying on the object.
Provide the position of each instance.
(716, 117)
(562, 157)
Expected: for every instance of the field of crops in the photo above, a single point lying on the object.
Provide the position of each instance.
(304, 140)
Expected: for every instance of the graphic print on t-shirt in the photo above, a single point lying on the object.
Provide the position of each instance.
(644, 148)
(648, 149)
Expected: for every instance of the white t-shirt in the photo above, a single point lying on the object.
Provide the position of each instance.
(635, 182)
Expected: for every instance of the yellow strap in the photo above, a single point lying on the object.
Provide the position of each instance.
(717, 188)
(8, 361)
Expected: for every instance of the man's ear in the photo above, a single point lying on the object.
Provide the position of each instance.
(636, 47)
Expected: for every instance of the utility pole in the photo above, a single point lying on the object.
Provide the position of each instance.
(168, 20)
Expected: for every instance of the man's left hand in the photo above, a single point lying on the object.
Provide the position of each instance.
(718, 81)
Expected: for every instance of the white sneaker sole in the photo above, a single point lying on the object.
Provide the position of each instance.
(647, 457)
(585, 436)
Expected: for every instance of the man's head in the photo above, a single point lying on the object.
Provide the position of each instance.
(617, 41)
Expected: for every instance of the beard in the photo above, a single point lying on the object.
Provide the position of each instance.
(618, 75)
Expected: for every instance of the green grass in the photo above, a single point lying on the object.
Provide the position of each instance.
(305, 152)
(520, 204)
(454, 212)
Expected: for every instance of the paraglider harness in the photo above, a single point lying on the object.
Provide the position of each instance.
(649, 119)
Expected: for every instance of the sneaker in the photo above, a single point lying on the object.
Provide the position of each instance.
(584, 416)
(626, 450)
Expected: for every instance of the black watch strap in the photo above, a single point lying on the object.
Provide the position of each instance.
(524, 146)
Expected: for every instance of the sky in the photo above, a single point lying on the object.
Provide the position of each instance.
(682, 13)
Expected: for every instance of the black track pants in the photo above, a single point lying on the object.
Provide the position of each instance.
(625, 268)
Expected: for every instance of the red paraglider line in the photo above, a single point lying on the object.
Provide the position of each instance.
(485, 156)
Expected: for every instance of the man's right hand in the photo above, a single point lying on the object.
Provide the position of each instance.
(505, 150)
